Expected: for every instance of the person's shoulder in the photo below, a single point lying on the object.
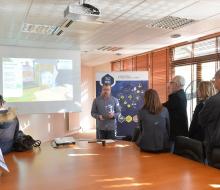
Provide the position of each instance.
(177, 94)
(199, 107)
(114, 98)
(216, 96)
(98, 98)
(164, 111)
(7, 115)
(181, 93)
(200, 104)
(144, 111)
(214, 99)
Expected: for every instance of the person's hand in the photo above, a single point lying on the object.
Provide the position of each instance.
(100, 117)
(111, 115)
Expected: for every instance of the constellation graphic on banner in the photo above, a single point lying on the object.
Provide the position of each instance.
(128, 88)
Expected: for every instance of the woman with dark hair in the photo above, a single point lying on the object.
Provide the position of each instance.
(9, 127)
(154, 124)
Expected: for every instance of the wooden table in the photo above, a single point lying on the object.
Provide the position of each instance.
(115, 166)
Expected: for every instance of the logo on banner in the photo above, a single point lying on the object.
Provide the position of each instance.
(107, 79)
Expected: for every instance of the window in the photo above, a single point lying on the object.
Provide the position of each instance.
(208, 71)
(182, 52)
(205, 47)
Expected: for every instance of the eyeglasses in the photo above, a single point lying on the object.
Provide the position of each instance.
(172, 82)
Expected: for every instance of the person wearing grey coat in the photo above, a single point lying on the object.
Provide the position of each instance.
(154, 129)
(106, 109)
(154, 124)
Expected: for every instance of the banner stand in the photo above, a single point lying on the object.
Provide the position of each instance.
(129, 89)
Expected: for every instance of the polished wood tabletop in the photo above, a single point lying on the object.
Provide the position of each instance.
(89, 166)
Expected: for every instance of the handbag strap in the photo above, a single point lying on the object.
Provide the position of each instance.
(37, 143)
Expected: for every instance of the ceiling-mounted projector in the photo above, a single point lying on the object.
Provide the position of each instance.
(82, 12)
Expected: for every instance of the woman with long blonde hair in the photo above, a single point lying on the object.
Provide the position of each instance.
(205, 90)
(154, 124)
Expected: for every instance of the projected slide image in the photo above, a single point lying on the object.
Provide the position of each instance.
(31, 80)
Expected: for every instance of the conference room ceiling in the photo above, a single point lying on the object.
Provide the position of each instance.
(125, 28)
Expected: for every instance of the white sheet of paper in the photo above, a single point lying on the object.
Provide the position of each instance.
(64, 140)
(107, 141)
(2, 162)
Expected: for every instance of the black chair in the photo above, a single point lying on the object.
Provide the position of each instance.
(214, 158)
(189, 148)
(136, 134)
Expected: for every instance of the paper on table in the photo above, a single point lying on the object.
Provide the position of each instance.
(64, 140)
(2, 162)
(107, 141)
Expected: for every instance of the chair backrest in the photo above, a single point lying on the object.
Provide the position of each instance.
(136, 134)
(215, 157)
(189, 148)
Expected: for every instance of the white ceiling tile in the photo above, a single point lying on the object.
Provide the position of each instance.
(206, 9)
(127, 29)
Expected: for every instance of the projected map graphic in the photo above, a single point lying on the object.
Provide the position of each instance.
(32, 80)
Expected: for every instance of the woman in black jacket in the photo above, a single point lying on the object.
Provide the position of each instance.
(205, 90)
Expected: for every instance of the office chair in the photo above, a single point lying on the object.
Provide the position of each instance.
(136, 134)
(214, 158)
(189, 148)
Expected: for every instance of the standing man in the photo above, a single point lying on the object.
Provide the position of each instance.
(209, 119)
(176, 106)
(105, 109)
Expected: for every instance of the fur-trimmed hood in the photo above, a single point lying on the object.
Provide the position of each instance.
(7, 115)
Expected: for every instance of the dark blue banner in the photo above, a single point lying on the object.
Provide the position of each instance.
(131, 98)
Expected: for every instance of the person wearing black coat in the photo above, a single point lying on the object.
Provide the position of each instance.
(205, 91)
(209, 119)
(195, 130)
(176, 106)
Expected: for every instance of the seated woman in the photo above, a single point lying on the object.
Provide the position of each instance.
(9, 127)
(154, 124)
(205, 90)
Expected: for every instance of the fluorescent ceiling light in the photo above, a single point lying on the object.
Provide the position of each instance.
(39, 28)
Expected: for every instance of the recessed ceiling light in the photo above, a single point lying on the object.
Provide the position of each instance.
(84, 51)
(118, 54)
(175, 36)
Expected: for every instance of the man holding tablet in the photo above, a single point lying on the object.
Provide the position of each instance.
(105, 110)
